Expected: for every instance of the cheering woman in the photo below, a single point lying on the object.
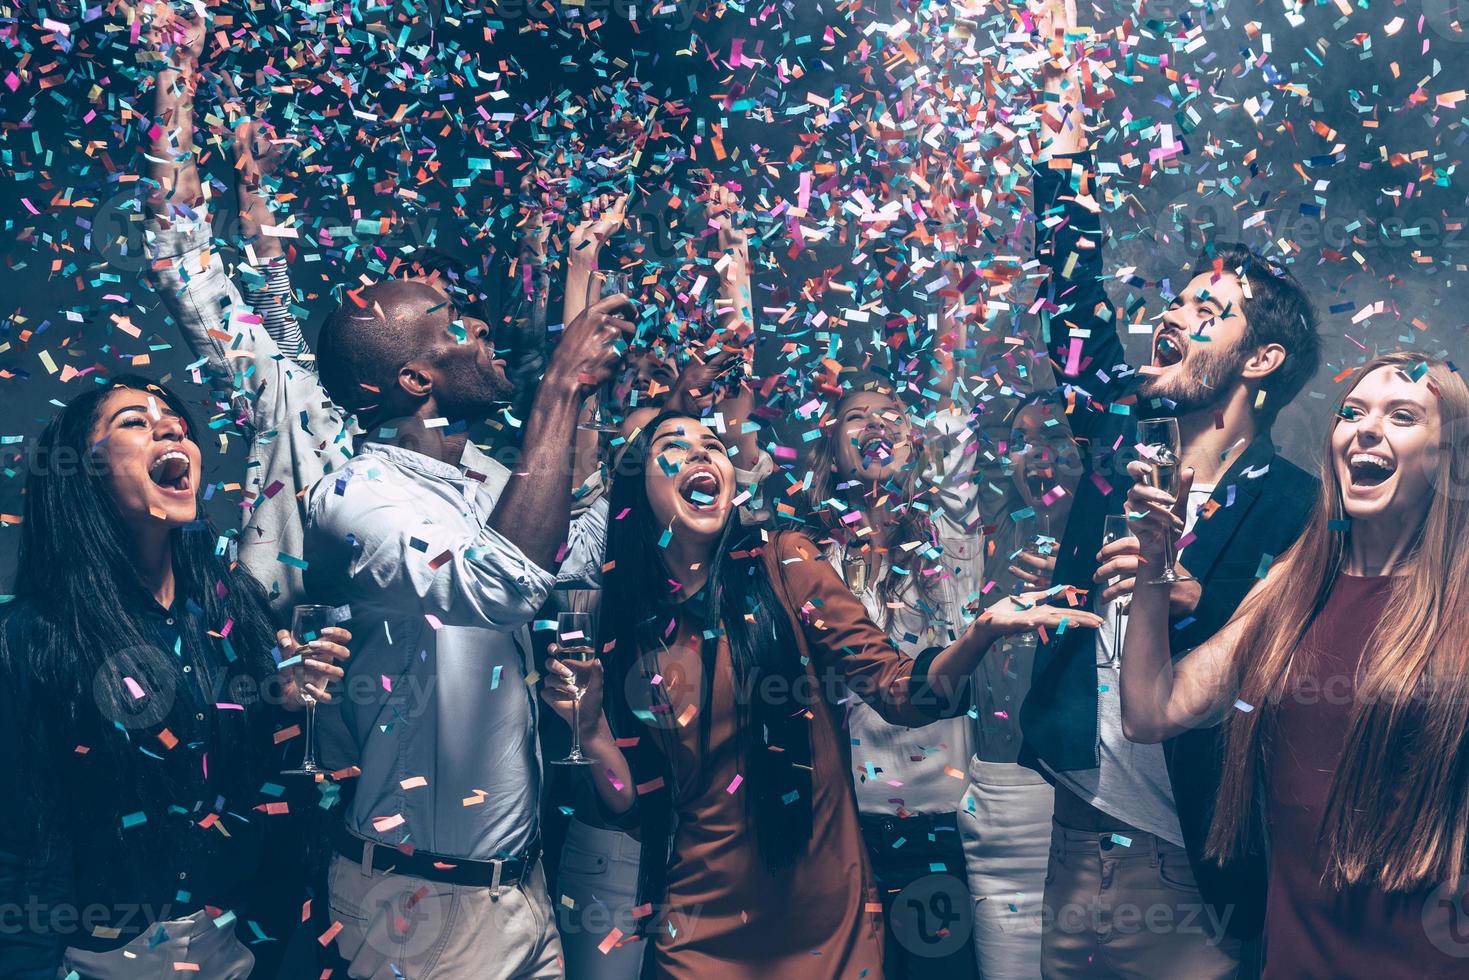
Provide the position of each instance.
(1341, 685)
(720, 736)
(136, 693)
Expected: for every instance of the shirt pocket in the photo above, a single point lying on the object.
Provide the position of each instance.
(582, 863)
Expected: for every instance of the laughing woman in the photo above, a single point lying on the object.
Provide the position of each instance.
(1343, 685)
(727, 655)
(135, 688)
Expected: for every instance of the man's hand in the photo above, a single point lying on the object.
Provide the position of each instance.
(1033, 569)
(1120, 563)
(586, 357)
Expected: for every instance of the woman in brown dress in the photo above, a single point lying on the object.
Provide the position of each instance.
(723, 645)
(1342, 688)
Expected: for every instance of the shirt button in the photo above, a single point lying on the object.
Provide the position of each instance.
(187, 669)
(169, 620)
(199, 717)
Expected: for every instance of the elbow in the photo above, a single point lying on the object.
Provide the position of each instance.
(1141, 732)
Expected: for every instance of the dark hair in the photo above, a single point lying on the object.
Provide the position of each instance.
(358, 355)
(83, 643)
(740, 600)
(1277, 311)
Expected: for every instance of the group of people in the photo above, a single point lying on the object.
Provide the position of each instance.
(797, 721)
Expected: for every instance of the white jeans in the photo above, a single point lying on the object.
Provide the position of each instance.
(400, 926)
(1005, 826)
(596, 891)
(215, 953)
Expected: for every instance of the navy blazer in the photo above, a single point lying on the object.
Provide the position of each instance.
(1256, 511)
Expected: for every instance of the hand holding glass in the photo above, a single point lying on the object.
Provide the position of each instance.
(307, 623)
(1161, 449)
(575, 641)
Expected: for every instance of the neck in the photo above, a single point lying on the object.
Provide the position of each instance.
(1211, 449)
(409, 432)
(688, 564)
(154, 564)
(1378, 546)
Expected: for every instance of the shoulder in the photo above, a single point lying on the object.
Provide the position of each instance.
(1287, 482)
(790, 547)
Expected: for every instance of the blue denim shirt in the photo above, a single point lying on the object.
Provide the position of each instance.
(440, 690)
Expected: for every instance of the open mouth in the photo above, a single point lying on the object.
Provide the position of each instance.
(875, 449)
(1167, 350)
(700, 489)
(171, 472)
(1370, 469)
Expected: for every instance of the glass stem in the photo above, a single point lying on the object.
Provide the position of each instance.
(576, 727)
(310, 761)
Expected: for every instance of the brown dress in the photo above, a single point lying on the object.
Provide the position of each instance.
(730, 917)
(1312, 930)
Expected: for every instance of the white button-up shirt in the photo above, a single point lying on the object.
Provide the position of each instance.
(440, 690)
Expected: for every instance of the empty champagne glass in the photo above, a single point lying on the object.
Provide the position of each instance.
(1160, 447)
(1115, 528)
(601, 286)
(575, 641)
(307, 623)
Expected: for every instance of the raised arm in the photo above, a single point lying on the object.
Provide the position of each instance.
(1161, 699)
(258, 157)
(1078, 320)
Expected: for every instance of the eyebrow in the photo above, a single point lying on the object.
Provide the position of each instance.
(1394, 403)
(141, 408)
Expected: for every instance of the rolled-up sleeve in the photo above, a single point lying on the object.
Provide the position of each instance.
(586, 549)
(953, 465)
(374, 545)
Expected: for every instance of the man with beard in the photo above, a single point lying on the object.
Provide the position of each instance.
(1128, 891)
(443, 556)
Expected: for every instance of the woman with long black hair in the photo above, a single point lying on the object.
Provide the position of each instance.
(137, 687)
(725, 649)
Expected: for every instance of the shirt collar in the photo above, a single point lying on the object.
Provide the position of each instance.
(471, 460)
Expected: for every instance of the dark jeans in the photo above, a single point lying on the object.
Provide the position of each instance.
(918, 862)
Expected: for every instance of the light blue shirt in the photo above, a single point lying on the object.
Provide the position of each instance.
(440, 689)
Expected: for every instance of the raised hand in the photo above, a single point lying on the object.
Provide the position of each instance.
(259, 152)
(601, 217)
(697, 389)
(586, 355)
(176, 35)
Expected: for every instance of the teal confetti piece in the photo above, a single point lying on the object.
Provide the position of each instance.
(1124, 841)
(665, 537)
(495, 677)
(130, 820)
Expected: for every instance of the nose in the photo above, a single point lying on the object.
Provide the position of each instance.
(1369, 429)
(698, 454)
(170, 428)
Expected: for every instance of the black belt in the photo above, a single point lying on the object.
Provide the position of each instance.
(507, 873)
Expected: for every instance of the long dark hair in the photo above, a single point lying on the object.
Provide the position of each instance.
(739, 599)
(83, 652)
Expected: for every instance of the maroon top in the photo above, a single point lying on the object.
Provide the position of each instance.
(1312, 930)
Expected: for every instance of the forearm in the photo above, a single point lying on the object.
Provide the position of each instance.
(579, 272)
(170, 150)
(1147, 667)
(255, 216)
(612, 776)
(534, 512)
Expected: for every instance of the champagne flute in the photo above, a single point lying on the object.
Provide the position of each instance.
(854, 570)
(575, 641)
(307, 623)
(1115, 528)
(601, 286)
(1160, 446)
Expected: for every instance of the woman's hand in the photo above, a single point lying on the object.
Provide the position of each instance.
(1033, 569)
(563, 678)
(309, 676)
(1029, 611)
(697, 389)
(1154, 514)
(601, 217)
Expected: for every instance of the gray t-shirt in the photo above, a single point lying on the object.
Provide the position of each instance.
(1131, 780)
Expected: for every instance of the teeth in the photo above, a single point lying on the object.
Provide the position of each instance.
(1372, 460)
